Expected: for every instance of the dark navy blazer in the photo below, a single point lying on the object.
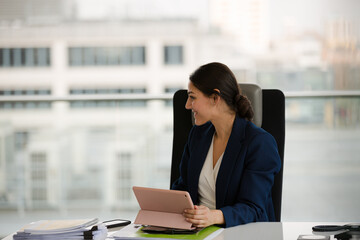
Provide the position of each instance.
(246, 174)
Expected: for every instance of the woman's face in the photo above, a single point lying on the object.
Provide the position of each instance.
(199, 103)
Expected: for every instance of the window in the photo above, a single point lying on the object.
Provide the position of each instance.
(25, 104)
(21, 140)
(172, 90)
(173, 55)
(20, 92)
(77, 91)
(106, 56)
(4, 57)
(24, 57)
(124, 176)
(38, 176)
(109, 103)
(138, 55)
(38, 194)
(75, 55)
(29, 57)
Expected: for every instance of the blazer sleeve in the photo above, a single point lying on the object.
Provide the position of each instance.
(253, 198)
(181, 182)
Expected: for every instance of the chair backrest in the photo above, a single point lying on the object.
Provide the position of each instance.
(273, 121)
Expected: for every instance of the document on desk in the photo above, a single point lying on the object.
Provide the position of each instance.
(63, 229)
(133, 231)
(53, 226)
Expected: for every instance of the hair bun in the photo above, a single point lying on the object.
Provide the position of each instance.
(244, 108)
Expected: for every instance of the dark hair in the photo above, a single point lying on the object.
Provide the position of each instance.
(216, 75)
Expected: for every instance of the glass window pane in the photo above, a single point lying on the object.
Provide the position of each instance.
(173, 54)
(43, 92)
(139, 90)
(42, 55)
(76, 91)
(75, 56)
(113, 91)
(30, 105)
(16, 52)
(89, 56)
(125, 55)
(7, 92)
(113, 55)
(6, 57)
(138, 55)
(101, 58)
(30, 92)
(90, 104)
(125, 90)
(17, 92)
(7, 105)
(172, 89)
(19, 105)
(29, 57)
(102, 91)
(77, 104)
(89, 91)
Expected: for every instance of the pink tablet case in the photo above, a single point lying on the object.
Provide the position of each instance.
(163, 208)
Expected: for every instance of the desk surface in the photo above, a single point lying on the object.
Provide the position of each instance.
(270, 230)
(264, 230)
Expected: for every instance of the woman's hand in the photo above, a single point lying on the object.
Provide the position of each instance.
(202, 216)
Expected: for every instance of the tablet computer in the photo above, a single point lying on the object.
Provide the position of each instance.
(162, 207)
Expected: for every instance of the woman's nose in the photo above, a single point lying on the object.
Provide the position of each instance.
(187, 104)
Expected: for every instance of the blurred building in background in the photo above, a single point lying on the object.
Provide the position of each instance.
(87, 154)
(81, 154)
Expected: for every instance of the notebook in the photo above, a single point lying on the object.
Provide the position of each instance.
(163, 208)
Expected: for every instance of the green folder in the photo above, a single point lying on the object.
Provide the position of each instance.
(199, 235)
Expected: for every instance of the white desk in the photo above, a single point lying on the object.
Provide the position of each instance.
(269, 231)
(264, 231)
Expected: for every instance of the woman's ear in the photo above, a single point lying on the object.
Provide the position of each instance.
(216, 95)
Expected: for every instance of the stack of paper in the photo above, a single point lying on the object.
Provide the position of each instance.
(63, 229)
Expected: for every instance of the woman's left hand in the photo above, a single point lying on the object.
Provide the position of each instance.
(202, 216)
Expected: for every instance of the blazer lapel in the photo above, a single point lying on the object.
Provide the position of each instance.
(230, 157)
(197, 161)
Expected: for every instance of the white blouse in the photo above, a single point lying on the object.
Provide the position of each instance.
(207, 180)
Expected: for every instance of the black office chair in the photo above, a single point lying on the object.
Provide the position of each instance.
(271, 118)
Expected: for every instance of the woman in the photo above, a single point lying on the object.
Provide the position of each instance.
(228, 164)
